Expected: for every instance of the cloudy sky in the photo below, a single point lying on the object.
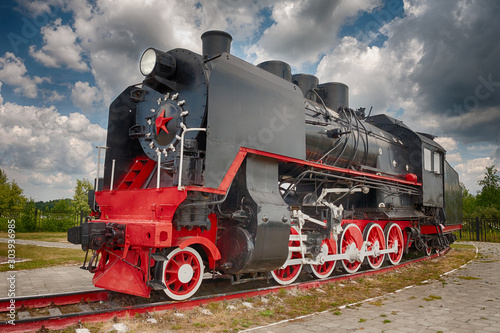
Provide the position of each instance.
(433, 64)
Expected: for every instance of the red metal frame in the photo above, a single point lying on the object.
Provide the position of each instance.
(329, 168)
(430, 229)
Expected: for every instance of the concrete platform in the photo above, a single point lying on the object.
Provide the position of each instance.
(42, 281)
(468, 301)
(44, 244)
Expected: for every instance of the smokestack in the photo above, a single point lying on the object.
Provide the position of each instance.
(306, 83)
(334, 94)
(278, 68)
(215, 42)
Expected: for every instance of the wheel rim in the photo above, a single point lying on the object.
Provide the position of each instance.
(374, 234)
(393, 234)
(328, 247)
(351, 236)
(290, 273)
(182, 273)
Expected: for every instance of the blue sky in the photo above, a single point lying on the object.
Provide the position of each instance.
(432, 64)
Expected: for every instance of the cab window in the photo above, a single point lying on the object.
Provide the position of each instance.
(437, 162)
(432, 161)
(427, 159)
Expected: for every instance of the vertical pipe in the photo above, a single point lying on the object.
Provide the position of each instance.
(158, 170)
(96, 186)
(181, 160)
(112, 174)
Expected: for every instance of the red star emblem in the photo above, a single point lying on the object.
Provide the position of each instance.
(161, 122)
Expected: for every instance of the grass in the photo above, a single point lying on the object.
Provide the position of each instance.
(460, 246)
(60, 237)
(492, 236)
(431, 298)
(41, 256)
(468, 278)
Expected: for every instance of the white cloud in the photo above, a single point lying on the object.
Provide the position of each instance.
(60, 48)
(304, 30)
(53, 96)
(85, 97)
(377, 77)
(109, 38)
(13, 72)
(471, 171)
(413, 74)
(41, 140)
(449, 144)
(114, 37)
(1, 98)
(240, 17)
(44, 151)
(59, 180)
(482, 148)
(36, 7)
(454, 158)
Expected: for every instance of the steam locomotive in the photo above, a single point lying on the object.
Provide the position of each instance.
(214, 165)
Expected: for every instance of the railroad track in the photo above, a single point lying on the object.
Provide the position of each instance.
(97, 306)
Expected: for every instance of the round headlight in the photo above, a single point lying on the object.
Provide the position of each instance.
(148, 61)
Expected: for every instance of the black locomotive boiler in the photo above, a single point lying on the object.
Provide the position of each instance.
(216, 165)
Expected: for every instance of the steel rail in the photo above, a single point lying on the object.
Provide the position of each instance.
(40, 301)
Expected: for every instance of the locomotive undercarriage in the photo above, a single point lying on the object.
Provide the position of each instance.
(307, 209)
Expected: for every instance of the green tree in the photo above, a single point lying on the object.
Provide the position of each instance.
(490, 192)
(80, 198)
(28, 221)
(61, 217)
(11, 195)
(468, 202)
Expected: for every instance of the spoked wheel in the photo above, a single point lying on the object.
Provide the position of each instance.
(374, 235)
(328, 247)
(351, 242)
(182, 273)
(394, 235)
(290, 273)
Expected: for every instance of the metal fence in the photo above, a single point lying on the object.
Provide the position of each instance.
(33, 220)
(480, 229)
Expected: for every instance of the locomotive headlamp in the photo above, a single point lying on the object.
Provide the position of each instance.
(157, 63)
(148, 61)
